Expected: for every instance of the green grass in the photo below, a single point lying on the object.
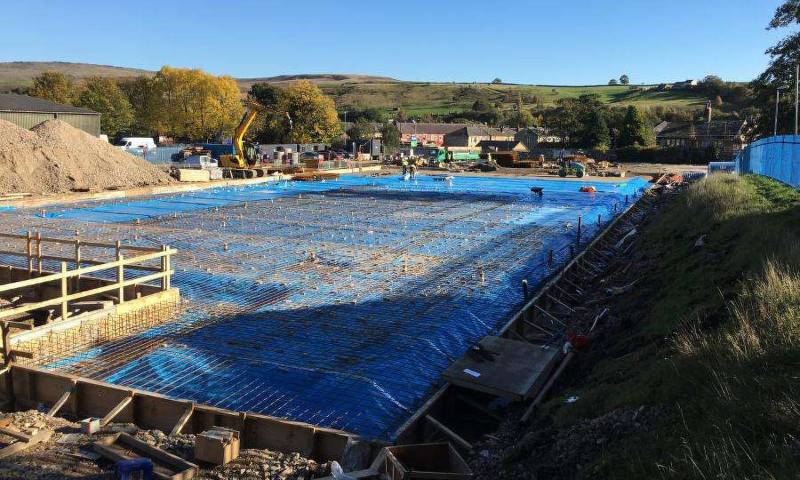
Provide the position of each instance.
(420, 98)
(712, 338)
(363, 91)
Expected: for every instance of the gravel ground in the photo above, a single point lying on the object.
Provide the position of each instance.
(68, 454)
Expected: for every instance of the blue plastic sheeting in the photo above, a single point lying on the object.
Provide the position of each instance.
(776, 157)
(337, 303)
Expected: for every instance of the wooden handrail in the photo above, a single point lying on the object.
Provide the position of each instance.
(84, 270)
(33, 253)
(65, 241)
(77, 295)
(80, 260)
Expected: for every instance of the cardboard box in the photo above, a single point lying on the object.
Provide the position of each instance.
(218, 446)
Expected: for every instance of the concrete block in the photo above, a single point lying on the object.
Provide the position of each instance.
(90, 425)
(191, 175)
(218, 446)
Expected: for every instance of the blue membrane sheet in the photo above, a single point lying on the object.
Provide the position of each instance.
(337, 303)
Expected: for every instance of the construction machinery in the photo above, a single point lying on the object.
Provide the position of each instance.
(236, 159)
(572, 165)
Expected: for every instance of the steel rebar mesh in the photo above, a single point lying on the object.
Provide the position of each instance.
(338, 303)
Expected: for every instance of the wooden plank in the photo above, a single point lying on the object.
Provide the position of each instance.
(85, 270)
(16, 434)
(83, 260)
(86, 293)
(16, 447)
(62, 400)
(512, 370)
(19, 325)
(165, 465)
(449, 433)
(115, 411)
(176, 430)
(421, 411)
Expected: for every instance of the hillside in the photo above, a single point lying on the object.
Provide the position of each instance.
(20, 74)
(420, 98)
(363, 91)
(694, 372)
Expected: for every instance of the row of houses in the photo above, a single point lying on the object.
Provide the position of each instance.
(463, 134)
(726, 136)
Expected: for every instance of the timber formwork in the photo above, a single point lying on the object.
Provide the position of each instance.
(547, 314)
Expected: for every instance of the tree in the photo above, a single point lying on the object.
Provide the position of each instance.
(497, 80)
(145, 97)
(55, 87)
(361, 131)
(635, 129)
(481, 105)
(104, 96)
(391, 137)
(613, 82)
(313, 114)
(266, 94)
(780, 72)
(198, 105)
(595, 132)
(624, 79)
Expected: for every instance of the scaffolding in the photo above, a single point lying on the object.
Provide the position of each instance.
(338, 303)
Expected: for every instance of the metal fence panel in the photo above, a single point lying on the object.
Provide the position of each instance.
(777, 157)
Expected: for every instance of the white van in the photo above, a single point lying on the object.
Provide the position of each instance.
(128, 143)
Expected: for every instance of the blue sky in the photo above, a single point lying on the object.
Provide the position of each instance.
(566, 42)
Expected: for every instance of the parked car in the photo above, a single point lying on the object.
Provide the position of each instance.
(128, 143)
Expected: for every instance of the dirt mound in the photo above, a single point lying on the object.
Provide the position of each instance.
(55, 157)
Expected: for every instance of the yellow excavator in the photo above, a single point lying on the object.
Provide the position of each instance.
(239, 160)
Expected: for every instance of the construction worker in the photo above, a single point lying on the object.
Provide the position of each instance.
(412, 167)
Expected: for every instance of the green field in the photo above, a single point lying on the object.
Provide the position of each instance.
(420, 98)
(365, 91)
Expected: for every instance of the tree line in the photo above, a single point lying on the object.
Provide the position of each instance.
(190, 105)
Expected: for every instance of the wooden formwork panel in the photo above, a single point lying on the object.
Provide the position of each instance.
(33, 386)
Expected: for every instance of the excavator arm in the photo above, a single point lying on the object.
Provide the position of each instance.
(252, 109)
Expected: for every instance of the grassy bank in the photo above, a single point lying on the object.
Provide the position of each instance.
(710, 342)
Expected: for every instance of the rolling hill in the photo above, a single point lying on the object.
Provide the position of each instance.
(363, 91)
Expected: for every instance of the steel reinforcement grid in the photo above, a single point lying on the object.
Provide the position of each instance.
(335, 303)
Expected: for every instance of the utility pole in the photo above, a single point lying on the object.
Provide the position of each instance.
(796, 93)
(777, 100)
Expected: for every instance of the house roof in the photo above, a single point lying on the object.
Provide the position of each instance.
(11, 102)
(715, 128)
(502, 145)
(408, 128)
(484, 131)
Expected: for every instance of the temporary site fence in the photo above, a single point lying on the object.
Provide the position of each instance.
(336, 303)
(777, 157)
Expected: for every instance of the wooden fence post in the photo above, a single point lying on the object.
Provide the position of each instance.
(64, 291)
(121, 278)
(39, 250)
(165, 266)
(29, 238)
(77, 264)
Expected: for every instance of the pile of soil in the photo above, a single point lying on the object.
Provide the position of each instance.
(55, 157)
